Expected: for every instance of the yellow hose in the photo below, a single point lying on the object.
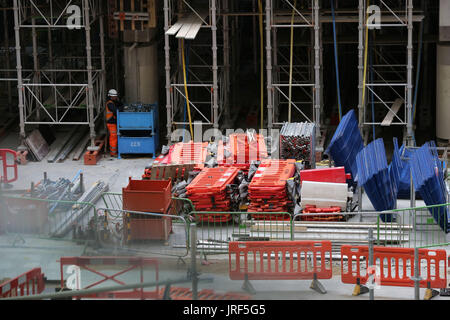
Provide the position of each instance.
(291, 62)
(262, 60)
(365, 56)
(186, 90)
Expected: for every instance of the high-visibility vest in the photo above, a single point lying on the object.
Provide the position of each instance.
(109, 113)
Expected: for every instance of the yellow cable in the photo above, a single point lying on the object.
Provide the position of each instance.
(291, 63)
(262, 60)
(365, 57)
(186, 90)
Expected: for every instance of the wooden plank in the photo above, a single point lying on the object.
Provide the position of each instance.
(174, 29)
(37, 145)
(58, 145)
(122, 26)
(74, 140)
(151, 7)
(391, 114)
(79, 150)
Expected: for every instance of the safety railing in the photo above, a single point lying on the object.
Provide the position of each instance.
(426, 227)
(144, 232)
(216, 229)
(45, 218)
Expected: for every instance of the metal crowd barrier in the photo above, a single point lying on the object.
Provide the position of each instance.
(144, 232)
(48, 219)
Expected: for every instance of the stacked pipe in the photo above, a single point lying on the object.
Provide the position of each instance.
(209, 191)
(267, 191)
(297, 141)
(428, 178)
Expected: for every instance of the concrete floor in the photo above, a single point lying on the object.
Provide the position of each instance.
(23, 253)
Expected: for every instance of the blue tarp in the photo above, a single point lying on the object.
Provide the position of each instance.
(346, 144)
(376, 177)
(428, 178)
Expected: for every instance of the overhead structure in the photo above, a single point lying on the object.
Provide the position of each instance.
(67, 87)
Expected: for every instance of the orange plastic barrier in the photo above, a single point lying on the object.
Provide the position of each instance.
(291, 255)
(124, 263)
(5, 166)
(29, 283)
(396, 266)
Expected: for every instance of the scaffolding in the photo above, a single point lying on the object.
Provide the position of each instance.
(306, 80)
(388, 83)
(206, 77)
(67, 84)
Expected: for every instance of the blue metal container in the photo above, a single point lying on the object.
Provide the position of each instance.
(136, 145)
(138, 131)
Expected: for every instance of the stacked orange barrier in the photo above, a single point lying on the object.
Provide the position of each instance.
(321, 214)
(267, 191)
(208, 192)
(242, 151)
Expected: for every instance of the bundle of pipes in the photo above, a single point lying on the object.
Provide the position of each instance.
(297, 141)
(138, 108)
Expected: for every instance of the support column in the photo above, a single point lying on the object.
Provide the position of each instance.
(317, 68)
(167, 68)
(226, 58)
(410, 129)
(103, 63)
(269, 65)
(214, 67)
(35, 67)
(361, 65)
(90, 93)
(8, 62)
(20, 87)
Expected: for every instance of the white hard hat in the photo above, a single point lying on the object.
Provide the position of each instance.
(113, 93)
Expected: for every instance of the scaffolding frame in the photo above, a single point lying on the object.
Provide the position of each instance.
(175, 95)
(276, 19)
(69, 91)
(400, 87)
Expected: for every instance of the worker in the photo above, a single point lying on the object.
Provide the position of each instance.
(113, 105)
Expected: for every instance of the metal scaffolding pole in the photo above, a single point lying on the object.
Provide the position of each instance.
(8, 62)
(410, 129)
(269, 8)
(361, 64)
(215, 67)
(167, 68)
(89, 69)
(20, 87)
(317, 59)
(226, 59)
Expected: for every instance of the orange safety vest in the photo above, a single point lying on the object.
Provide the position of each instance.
(109, 113)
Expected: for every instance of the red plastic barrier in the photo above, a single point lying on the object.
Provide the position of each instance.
(267, 191)
(396, 266)
(242, 150)
(29, 283)
(125, 263)
(332, 175)
(293, 264)
(4, 177)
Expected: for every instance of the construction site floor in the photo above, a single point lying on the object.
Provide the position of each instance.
(21, 253)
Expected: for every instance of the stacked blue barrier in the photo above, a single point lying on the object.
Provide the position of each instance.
(428, 179)
(376, 177)
(401, 168)
(346, 144)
